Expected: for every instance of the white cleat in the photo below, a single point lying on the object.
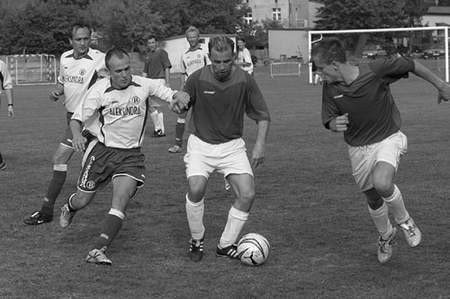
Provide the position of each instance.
(98, 256)
(65, 219)
(385, 247)
(412, 233)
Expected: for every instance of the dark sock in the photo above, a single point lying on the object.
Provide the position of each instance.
(111, 227)
(54, 188)
(1, 158)
(179, 131)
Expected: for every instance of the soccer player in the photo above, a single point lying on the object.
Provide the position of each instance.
(193, 59)
(6, 85)
(121, 103)
(221, 93)
(79, 69)
(244, 59)
(157, 66)
(357, 101)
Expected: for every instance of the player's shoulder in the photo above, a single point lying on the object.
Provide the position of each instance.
(101, 85)
(67, 54)
(96, 54)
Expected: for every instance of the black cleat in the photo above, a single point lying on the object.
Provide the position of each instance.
(196, 249)
(37, 218)
(229, 251)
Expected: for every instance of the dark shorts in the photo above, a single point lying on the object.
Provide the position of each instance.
(67, 138)
(101, 164)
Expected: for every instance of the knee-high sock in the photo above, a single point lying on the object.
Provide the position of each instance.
(397, 206)
(235, 223)
(1, 158)
(194, 213)
(380, 218)
(154, 117)
(179, 131)
(111, 227)
(161, 121)
(54, 188)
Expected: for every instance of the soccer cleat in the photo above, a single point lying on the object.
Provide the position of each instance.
(66, 216)
(196, 249)
(385, 247)
(37, 218)
(175, 149)
(229, 251)
(412, 233)
(3, 165)
(158, 133)
(98, 256)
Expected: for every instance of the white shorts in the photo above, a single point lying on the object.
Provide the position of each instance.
(364, 158)
(203, 158)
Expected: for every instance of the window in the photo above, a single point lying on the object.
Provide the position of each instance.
(276, 14)
(248, 18)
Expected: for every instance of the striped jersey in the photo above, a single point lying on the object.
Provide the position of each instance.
(5, 77)
(77, 75)
(194, 59)
(121, 114)
(218, 108)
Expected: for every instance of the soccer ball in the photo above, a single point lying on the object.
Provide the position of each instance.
(253, 249)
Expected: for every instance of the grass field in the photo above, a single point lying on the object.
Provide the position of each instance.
(323, 241)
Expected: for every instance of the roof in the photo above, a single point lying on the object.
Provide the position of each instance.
(438, 10)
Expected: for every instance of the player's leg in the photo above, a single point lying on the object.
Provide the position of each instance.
(388, 157)
(2, 163)
(124, 188)
(75, 202)
(60, 159)
(244, 188)
(179, 132)
(378, 211)
(156, 118)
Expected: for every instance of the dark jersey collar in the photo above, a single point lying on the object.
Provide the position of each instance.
(111, 88)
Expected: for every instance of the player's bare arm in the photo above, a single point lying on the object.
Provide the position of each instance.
(442, 87)
(78, 141)
(339, 124)
(260, 143)
(57, 92)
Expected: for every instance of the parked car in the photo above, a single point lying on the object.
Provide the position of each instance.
(433, 53)
(373, 52)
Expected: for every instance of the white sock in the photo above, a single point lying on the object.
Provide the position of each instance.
(161, 121)
(235, 223)
(397, 206)
(381, 220)
(154, 116)
(194, 213)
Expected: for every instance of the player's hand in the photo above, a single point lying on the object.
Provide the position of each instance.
(180, 102)
(340, 123)
(257, 155)
(10, 111)
(79, 143)
(55, 94)
(444, 94)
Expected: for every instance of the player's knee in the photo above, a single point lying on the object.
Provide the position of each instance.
(383, 185)
(247, 195)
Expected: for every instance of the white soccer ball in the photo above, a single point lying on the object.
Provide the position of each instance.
(253, 249)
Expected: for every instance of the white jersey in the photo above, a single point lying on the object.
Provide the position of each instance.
(5, 77)
(77, 75)
(245, 57)
(193, 60)
(122, 114)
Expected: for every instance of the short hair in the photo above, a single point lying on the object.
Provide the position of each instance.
(192, 29)
(152, 37)
(329, 50)
(77, 26)
(240, 38)
(221, 43)
(115, 51)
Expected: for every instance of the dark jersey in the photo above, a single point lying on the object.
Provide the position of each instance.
(373, 114)
(156, 63)
(218, 108)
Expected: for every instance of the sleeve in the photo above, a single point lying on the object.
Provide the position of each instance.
(256, 107)
(165, 61)
(329, 108)
(247, 57)
(182, 65)
(101, 66)
(5, 77)
(159, 89)
(88, 106)
(206, 57)
(189, 87)
(393, 68)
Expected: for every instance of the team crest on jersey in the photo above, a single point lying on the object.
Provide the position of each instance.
(90, 185)
(135, 100)
(82, 72)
